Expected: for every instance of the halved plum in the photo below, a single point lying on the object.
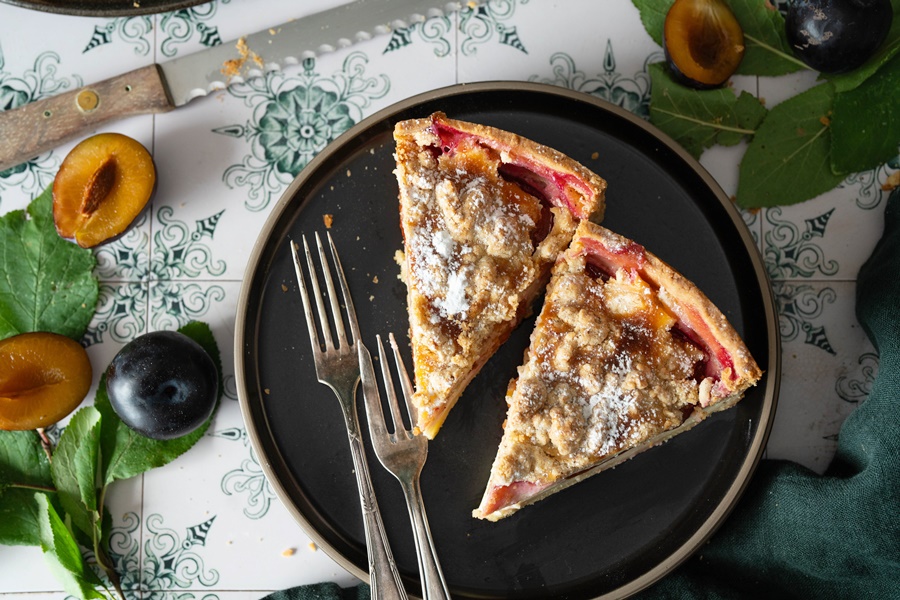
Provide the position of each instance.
(43, 378)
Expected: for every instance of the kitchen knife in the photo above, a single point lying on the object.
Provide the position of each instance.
(29, 130)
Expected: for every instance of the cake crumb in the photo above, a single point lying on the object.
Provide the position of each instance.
(595, 156)
(312, 547)
(892, 182)
(348, 172)
(328, 219)
(284, 288)
(266, 391)
(288, 551)
(375, 279)
(371, 298)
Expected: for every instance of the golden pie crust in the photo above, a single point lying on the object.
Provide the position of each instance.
(625, 354)
(484, 214)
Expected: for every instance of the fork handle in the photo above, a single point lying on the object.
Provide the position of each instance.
(434, 587)
(384, 578)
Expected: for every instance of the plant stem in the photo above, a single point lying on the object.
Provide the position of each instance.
(46, 444)
(709, 124)
(100, 552)
(35, 487)
(776, 51)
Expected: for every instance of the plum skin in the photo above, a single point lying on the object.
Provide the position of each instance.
(163, 385)
(836, 36)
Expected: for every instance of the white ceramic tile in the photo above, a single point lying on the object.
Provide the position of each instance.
(209, 524)
(827, 368)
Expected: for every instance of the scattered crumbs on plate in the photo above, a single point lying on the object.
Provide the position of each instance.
(272, 31)
(348, 172)
(328, 219)
(312, 547)
(371, 150)
(284, 288)
(371, 298)
(266, 391)
(595, 156)
(375, 279)
(357, 238)
(331, 188)
(288, 551)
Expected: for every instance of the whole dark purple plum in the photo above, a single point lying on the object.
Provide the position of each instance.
(834, 36)
(163, 385)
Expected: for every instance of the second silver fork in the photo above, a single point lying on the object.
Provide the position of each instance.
(337, 366)
(403, 454)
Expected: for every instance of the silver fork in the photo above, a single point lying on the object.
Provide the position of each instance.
(338, 368)
(403, 454)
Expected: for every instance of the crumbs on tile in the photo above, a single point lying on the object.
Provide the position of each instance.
(288, 551)
(328, 219)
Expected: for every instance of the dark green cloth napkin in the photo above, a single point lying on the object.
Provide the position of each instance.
(797, 534)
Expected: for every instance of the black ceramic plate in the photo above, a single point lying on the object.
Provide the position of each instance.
(611, 534)
(105, 8)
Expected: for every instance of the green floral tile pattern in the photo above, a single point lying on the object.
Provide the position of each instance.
(294, 118)
(793, 251)
(176, 263)
(800, 309)
(631, 93)
(134, 32)
(855, 387)
(248, 480)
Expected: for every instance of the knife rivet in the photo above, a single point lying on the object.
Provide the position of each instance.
(48, 114)
(87, 101)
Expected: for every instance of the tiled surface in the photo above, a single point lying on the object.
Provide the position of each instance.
(209, 525)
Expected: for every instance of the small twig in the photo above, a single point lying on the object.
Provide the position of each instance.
(46, 444)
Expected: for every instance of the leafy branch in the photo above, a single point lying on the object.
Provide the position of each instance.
(55, 498)
(805, 145)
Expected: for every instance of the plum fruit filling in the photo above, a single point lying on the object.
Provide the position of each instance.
(603, 262)
(507, 495)
(560, 189)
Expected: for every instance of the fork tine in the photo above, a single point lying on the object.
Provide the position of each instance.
(397, 418)
(307, 308)
(405, 383)
(317, 292)
(374, 413)
(345, 291)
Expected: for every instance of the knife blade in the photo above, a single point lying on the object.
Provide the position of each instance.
(37, 127)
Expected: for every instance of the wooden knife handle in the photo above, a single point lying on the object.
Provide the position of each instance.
(37, 127)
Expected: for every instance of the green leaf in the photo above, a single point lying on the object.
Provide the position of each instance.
(24, 467)
(698, 119)
(46, 283)
(127, 453)
(74, 469)
(890, 47)
(865, 130)
(23, 460)
(766, 51)
(62, 553)
(19, 518)
(789, 160)
(653, 16)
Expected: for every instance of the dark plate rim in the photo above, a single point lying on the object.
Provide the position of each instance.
(104, 8)
(772, 369)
